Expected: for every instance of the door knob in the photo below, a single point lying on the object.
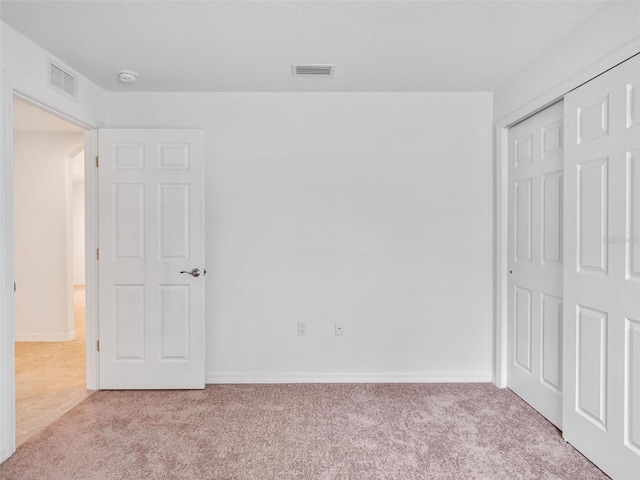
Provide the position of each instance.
(194, 273)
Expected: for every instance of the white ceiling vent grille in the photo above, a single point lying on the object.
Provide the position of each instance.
(62, 81)
(313, 70)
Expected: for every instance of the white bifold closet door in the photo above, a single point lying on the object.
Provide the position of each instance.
(535, 192)
(151, 238)
(601, 412)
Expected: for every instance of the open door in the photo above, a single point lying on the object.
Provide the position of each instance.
(601, 413)
(151, 259)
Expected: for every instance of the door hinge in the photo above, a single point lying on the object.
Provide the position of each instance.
(98, 345)
(15, 287)
(97, 254)
(97, 161)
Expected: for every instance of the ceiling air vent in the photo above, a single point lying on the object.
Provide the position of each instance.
(312, 70)
(62, 81)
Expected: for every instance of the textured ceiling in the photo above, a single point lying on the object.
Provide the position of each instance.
(250, 46)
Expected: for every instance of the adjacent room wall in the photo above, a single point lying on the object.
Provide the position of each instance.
(373, 210)
(78, 219)
(42, 234)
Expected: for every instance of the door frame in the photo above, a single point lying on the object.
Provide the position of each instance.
(13, 87)
(500, 272)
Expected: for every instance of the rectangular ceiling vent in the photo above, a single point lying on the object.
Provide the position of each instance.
(62, 81)
(313, 70)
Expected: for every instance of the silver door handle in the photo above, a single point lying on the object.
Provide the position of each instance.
(194, 273)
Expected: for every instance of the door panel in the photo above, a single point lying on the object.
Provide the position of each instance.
(632, 390)
(128, 219)
(175, 321)
(552, 217)
(602, 292)
(591, 394)
(151, 228)
(128, 315)
(592, 215)
(523, 219)
(536, 187)
(523, 328)
(633, 215)
(552, 342)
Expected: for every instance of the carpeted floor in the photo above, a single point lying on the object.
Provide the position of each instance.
(50, 377)
(328, 432)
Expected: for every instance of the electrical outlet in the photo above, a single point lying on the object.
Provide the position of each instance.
(339, 329)
(302, 329)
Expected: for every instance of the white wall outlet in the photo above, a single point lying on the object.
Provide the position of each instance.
(339, 329)
(302, 329)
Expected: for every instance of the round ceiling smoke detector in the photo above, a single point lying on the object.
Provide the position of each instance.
(128, 77)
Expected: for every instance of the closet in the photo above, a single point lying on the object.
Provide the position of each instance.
(574, 267)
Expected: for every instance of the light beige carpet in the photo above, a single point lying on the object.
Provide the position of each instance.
(279, 432)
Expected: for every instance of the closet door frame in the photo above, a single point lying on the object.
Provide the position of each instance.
(501, 268)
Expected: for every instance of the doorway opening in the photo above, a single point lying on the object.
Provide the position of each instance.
(49, 256)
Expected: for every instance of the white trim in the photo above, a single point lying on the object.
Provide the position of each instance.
(7, 325)
(349, 378)
(500, 168)
(12, 86)
(501, 261)
(36, 337)
(44, 100)
(91, 262)
(5, 453)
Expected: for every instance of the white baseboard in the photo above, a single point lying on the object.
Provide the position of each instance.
(349, 378)
(35, 337)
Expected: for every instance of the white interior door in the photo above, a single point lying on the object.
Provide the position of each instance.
(151, 228)
(602, 276)
(535, 261)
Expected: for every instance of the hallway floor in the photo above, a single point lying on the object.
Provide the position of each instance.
(50, 377)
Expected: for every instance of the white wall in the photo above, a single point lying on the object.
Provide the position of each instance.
(78, 219)
(26, 64)
(369, 209)
(609, 29)
(42, 235)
